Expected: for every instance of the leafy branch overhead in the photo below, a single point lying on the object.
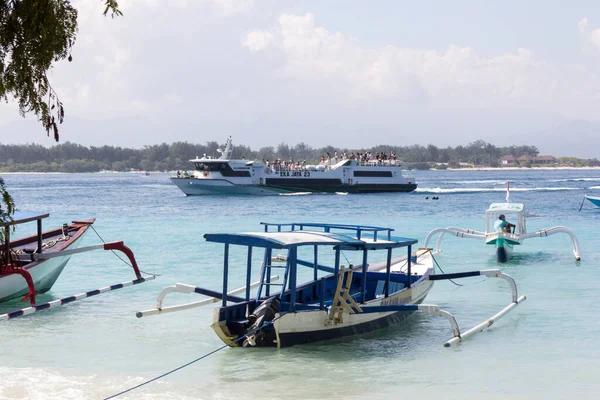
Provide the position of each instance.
(34, 35)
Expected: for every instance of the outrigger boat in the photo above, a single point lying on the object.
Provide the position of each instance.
(497, 235)
(31, 265)
(335, 301)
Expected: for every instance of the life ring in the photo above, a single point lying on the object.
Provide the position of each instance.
(205, 173)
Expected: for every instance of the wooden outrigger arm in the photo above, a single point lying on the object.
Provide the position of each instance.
(183, 288)
(70, 299)
(459, 232)
(434, 310)
(105, 246)
(471, 234)
(56, 303)
(552, 231)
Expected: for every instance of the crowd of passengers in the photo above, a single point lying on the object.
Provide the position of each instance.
(379, 158)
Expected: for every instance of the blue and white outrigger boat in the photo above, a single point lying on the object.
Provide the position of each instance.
(334, 301)
(503, 236)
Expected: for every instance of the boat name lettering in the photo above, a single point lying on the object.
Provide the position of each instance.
(305, 174)
(395, 301)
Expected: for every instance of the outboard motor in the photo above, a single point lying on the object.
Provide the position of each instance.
(265, 312)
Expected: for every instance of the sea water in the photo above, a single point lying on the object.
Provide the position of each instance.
(547, 348)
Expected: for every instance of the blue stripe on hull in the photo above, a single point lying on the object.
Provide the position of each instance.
(291, 339)
(594, 201)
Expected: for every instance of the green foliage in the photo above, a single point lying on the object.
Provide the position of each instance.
(7, 209)
(71, 157)
(34, 35)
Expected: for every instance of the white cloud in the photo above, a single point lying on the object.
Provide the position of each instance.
(180, 66)
(173, 98)
(583, 25)
(258, 40)
(593, 37)
(230, 7)
(455, 77)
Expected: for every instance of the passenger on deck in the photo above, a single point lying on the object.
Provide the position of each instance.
(502, 225)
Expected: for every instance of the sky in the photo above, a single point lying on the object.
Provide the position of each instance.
(346, 73)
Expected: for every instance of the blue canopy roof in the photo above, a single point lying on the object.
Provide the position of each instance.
(282, 240)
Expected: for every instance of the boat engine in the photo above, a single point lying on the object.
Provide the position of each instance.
(265, 312)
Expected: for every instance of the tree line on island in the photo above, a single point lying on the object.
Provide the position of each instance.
(71, 157)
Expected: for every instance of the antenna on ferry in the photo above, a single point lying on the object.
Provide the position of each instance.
(507, 191)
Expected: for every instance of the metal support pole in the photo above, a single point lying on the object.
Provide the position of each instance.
(248, 273)
(225, 272)
(409, 263)
(39, 236)
(364, 281)
(388, 267)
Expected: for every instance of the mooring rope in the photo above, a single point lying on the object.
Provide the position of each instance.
(264, 325)
(118, 256)
(438, 265)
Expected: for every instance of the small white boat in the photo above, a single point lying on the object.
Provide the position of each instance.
(335, 301)
(31, 265)
(497, 235)
(227, 176)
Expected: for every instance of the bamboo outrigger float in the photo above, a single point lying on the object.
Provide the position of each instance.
(31, 265)
(495, 234)
(336, 301)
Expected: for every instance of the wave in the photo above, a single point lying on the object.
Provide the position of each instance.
(480, 190)
(594, 187)
(296, 194)
(575, 180)
(495, 182)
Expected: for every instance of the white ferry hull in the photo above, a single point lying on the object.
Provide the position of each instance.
(199, 186)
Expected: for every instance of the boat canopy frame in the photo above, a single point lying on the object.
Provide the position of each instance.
(290, 236)
(22, 217)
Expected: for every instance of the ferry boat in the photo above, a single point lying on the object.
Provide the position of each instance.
(227, 176)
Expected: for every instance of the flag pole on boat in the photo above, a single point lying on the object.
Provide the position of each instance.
(582, 201)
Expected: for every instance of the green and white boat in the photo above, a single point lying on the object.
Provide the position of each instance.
(504, 236)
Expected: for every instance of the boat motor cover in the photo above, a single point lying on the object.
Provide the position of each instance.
(265, 312)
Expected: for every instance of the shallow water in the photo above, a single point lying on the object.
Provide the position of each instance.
(547, 347)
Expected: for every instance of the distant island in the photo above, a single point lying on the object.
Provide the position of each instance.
(71, 157)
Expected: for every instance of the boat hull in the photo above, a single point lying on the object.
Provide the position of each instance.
(504, 252)
(309, 327)
(595, 200)
(504, 243)
(199, 187)
(44, 273)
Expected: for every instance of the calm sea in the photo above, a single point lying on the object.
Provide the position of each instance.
(547, 348)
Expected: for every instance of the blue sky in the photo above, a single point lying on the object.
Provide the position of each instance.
(341, 73)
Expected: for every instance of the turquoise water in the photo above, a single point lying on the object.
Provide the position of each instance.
(548, 347)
